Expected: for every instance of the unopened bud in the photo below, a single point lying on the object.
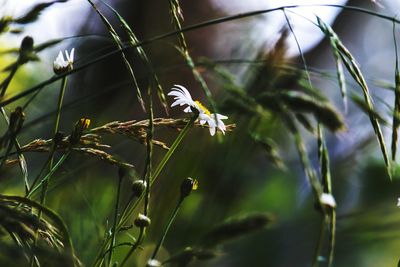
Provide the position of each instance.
(26, 44)
(138, 188)
(187, 186)
(80, 126)
(142, 221)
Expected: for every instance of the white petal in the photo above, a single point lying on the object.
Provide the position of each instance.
(71, 55)
(221, 117)
(212, 131)
(187, 110)
(180, 102)
(203, 116)
(211, 123)
(176, 93)
(184, 90)
(59, 62)
(175, 103)
(221, 126)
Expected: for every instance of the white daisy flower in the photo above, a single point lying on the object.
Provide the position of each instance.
(61, 65)
(327, 199)
(182, 97)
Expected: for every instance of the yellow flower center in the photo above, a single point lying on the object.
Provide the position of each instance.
(203, 108)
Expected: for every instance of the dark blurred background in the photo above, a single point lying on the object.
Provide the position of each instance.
(235, 175)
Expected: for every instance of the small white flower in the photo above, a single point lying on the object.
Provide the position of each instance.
(398, 202)
(61, 65)
(182, 97)
(327, 199)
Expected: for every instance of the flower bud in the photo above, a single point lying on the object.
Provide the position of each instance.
(138, 188)
(142, 221)
(187, 186)
(76, 134)
(27, 44)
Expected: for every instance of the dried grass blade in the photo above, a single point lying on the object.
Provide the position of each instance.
(331, 35)
(352, 67)
(359, 78)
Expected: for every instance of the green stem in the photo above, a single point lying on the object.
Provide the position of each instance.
(332, 237)
(51, 172)
(172, 149)
(161, 241)
(134, 247)
(56, 126)
(320, 243)
(115, 222)
(149, 142)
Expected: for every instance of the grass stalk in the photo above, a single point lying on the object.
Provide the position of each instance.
(166, 229)
(55, 131)
(112, 243)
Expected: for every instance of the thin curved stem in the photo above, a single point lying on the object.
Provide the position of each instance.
(166, 230)
(111, 249)
(56, 126)
(134, 247)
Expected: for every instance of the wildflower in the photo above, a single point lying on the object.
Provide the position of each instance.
(398, 202)
(328, 200)
(61, 65)
(182, 97)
